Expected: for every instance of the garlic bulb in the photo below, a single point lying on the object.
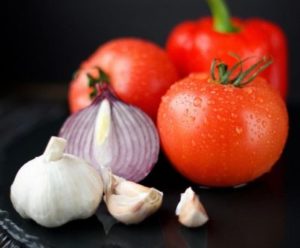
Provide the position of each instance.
(190, 211)
(110, 133)
(131, 203)
(55, 188)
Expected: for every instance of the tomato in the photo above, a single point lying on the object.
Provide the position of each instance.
(222, 134)
(140, 72)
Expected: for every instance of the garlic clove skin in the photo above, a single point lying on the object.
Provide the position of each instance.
(131, 203)
(124, 187)
(55, 188)
(190, 210)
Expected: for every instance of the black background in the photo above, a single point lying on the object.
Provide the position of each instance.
(46, 40)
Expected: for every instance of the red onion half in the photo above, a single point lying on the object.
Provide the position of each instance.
(112, 134)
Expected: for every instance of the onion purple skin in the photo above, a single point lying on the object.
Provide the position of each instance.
(132, 147)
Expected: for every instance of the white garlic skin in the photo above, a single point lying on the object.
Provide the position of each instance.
(53, 193)
(131, 203)
(190, 210)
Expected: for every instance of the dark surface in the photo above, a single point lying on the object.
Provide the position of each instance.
(46, 40)
(263, 214)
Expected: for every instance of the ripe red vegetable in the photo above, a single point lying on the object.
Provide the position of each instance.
(223, 131)
(192, 45)
(138, 70)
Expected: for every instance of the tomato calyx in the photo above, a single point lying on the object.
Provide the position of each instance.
(97, 84)
(235, 75)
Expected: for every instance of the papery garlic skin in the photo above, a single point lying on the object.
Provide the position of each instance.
(190, 210)
(131, 203)
(55, 188)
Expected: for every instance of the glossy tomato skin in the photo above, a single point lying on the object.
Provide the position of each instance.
(221, 135)
(140, 72)
(192, 45)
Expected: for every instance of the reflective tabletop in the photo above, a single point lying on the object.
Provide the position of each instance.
(262, 214)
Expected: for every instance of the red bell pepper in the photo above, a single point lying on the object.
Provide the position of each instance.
(192, 45)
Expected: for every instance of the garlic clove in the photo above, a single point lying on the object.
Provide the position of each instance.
(55, 188)
(131, 203)
(190, 210)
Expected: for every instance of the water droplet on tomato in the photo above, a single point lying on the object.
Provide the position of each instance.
(249, 90)
(192, 118)
(260, 100)
(228, 89)
(197, 102)
(240, 98)
(238, 130)
(233, 115)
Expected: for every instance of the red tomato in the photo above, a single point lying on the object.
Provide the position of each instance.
(139, 71)
(222, 135)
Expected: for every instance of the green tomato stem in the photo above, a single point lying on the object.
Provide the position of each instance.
(224, 73)
(96, 82)
(221, 17)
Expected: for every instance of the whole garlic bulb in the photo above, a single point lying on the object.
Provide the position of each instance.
(55, 188)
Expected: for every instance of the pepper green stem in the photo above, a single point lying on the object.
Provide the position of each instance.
(221, 17)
